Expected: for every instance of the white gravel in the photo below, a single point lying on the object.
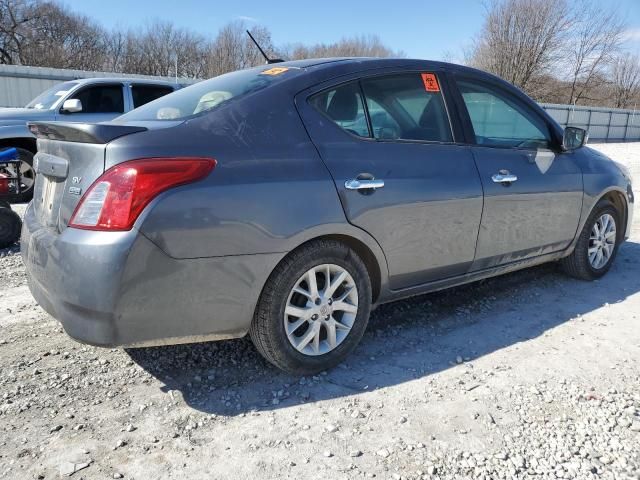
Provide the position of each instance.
(530, 375)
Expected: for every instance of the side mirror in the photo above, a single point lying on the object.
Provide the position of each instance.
(72, 106)
(574, 138)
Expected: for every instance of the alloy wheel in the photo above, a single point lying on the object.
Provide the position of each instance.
(321, 309)
(602, 241)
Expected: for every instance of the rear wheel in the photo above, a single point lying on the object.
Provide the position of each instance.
(314, 308)
(597, 245)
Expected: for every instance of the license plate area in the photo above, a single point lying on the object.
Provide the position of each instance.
(52, 189)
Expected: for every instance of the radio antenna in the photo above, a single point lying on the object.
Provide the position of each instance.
(267, 59)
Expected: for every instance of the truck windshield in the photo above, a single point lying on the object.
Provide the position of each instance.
(209, 94)
(49, 98)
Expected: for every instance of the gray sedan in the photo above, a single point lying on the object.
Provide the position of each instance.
(287, 201)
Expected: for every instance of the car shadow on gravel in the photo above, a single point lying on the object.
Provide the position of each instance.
(405, 340)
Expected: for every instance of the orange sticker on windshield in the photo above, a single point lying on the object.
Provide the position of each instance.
(275, 71)
(430, 82)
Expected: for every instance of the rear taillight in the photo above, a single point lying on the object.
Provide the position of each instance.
(118, 196)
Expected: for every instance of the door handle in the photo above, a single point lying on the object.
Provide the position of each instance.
(356, 184)
(503, 176)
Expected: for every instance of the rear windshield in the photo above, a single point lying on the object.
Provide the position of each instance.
(49, 98)
(209, 94)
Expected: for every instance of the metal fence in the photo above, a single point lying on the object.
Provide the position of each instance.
(19, 84)
(603, 124)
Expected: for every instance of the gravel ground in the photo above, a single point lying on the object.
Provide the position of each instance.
(531, 374)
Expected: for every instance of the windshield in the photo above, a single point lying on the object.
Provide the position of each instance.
(208, 95)
(49, 98)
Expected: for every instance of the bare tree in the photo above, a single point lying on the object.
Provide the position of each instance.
(156, 49)
(232, 49)
(522, 40)
(115, 49)
(15, 17)
(61, 39)
(626, 80)
(597, 35)
(359, 46)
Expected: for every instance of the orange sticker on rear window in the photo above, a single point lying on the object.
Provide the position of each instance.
(275, 71)
(430, 82)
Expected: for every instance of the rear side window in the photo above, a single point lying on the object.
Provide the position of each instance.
(345, 107)
(143, 94)
(500, 121)
(407, 107)
(210, 94)
(101, 99)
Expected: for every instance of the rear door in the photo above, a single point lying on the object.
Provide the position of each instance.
(533, 192)
(388, 142)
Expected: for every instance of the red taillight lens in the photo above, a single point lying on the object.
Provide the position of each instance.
(115, 200)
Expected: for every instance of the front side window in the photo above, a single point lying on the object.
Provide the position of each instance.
(344, 106)
(407, 107)
(101, 99)
(499, 121)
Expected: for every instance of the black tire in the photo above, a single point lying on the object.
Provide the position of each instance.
(267, 329)
(577, 264)
(25, 196)
(10, 226)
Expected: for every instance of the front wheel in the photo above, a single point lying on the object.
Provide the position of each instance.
(597, 245)
(314, 308)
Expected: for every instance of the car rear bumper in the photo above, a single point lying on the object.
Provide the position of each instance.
(120, 289)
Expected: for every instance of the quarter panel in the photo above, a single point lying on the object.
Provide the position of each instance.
(161, 297)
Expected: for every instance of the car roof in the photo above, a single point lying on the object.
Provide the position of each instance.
(317, 70)
(148, 81)
(328, 68)
(364, 63)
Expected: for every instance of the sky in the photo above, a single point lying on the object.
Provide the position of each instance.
(426, 29)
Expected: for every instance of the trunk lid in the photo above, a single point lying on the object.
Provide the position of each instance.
(70, 158)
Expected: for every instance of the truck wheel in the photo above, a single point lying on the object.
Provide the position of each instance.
(27, 174)
(10, 226)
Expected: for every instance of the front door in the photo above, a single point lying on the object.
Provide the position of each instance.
(100, 103)
(533, 194)
(388, 143)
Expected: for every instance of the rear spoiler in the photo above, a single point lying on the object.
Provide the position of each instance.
(81, 132)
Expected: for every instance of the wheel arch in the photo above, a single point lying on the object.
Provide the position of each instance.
(614, 194)
(367, 256)
(620, 202)
(25, 143)
(362, 244)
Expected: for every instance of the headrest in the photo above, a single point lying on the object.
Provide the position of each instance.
(344, 104)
